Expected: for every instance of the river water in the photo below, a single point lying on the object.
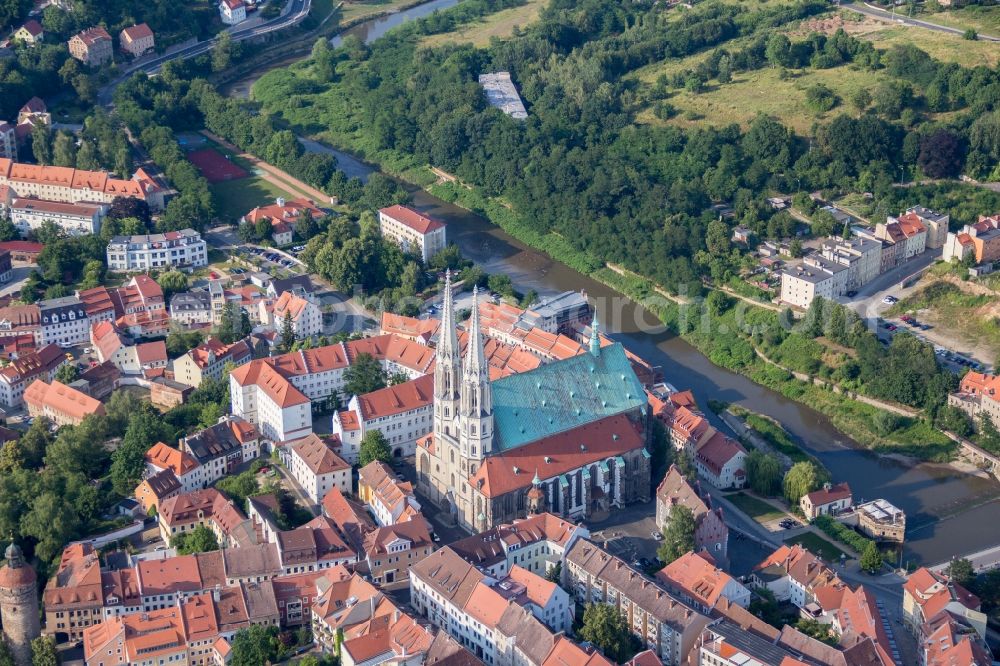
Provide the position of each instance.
(949, 513)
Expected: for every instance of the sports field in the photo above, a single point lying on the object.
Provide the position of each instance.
(216, 167)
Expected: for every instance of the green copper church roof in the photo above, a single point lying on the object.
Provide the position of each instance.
(563, 395)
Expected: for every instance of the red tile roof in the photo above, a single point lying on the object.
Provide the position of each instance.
(166, 457)
(699, 578)
(61, 399)
(398, 398)
(835, 493)
(411, 218)
(564, 452)
(317, 454)
(137, 32)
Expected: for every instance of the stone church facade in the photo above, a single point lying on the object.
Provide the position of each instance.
(568, 437)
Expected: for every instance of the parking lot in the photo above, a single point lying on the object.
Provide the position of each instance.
(276, 258)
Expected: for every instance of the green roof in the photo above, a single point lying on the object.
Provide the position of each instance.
(563, 395)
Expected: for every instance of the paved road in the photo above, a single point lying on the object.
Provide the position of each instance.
(869, 10)
(294, 12)
(984, 560)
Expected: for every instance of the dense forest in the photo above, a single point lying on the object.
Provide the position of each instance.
(638, 195)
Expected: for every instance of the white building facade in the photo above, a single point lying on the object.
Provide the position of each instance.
(184, 249)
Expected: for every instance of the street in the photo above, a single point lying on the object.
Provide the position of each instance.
(898, 17)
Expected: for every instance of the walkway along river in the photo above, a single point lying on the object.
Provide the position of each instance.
(948, 512)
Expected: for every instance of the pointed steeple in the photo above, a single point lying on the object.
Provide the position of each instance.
(595, 336)
(475, 361)
(536, 481)
(448, 340)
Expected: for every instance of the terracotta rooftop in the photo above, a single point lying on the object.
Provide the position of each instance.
(412, 219)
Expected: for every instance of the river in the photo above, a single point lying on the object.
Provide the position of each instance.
(947, 511)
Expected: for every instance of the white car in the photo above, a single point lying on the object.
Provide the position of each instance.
(889, 300)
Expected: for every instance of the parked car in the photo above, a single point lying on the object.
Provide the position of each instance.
(890, 327)
(656, 535)
(907, 318)
(852, 293)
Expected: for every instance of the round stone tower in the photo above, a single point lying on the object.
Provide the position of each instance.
(19, 605)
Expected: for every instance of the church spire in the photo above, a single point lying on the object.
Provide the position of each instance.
(477, 395)
(475, 361)
(595, 336)
(448, 340)
(447, 368)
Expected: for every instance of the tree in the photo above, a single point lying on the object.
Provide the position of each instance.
(940, 154)
(43, 651)
(86, 156)
(125, 207)
(804, 477)
(41, 143)
(199, 540)
(860, 99)
(374, 446)
(222, 52)
(324, 60)
(764, 473)
(961, 572)
(128, 460)
(172, 282)
(235, 325)
(287, 333)
(778, 50)
(954, 420)
(678, 534)
(605, 626)
(64, 149)
(254, 646)
(6, 658)
(7, 229)
(179, 342)
(364, 375)
(67, 373)
(871, 558)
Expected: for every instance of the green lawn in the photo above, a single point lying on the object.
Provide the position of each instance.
(982, 19)
(759, 510)
(235, 198)
(498, 25)
(817, 545)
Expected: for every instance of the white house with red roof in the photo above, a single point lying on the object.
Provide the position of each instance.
(306, 317)
(317, 467)
(137, 40)
(232, 11)
(185, 468)
(31, 33)
(17, 376)
(827, 501)
(928, 593)
(207, 360)
(110, 344)
(403, 413)
(412, 231)
(696, 578)
(722, 461)
(284, 215)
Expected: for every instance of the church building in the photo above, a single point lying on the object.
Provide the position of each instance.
(568, 437)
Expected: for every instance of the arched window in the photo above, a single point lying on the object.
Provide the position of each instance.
(453, 458)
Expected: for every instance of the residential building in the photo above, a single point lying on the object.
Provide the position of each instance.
(928, 593)
(980, 241)
(978, 394)
(402, 413)
(411, 328)
(412, 231)
(721, 461)
(317, 468)
(99, 381)
(137, 40)
(76, 219)
(546, 600)
(184, 249)
(389, 499)
(935, 223)
(948, 640)
(711, 533)
(882, 521)
(306, 317)
(148, 359)
(300, 285)
(538, 543)
(156, 488)
(73, 598)
(232, 11)
(16, 376)
(31, 33)
(275, 393)
(906, 231)
(64, 321)
(346, 606)
(137, 309)
(400, 641)
(21, 322)
(191, 308)
(284, 216)
(695, 578)
(560, 313)
(390, 551)
(207, 360)
(221, 448)
(182, 513)
(812, 277)
(828, 501)
(578, 446)
(8, 144)
(793, 574)
(34, 112)
(93, 47)
(186, 469)
(662, 621)
(60, 403)
(24, 251)
(862, 256)
(51, 183)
